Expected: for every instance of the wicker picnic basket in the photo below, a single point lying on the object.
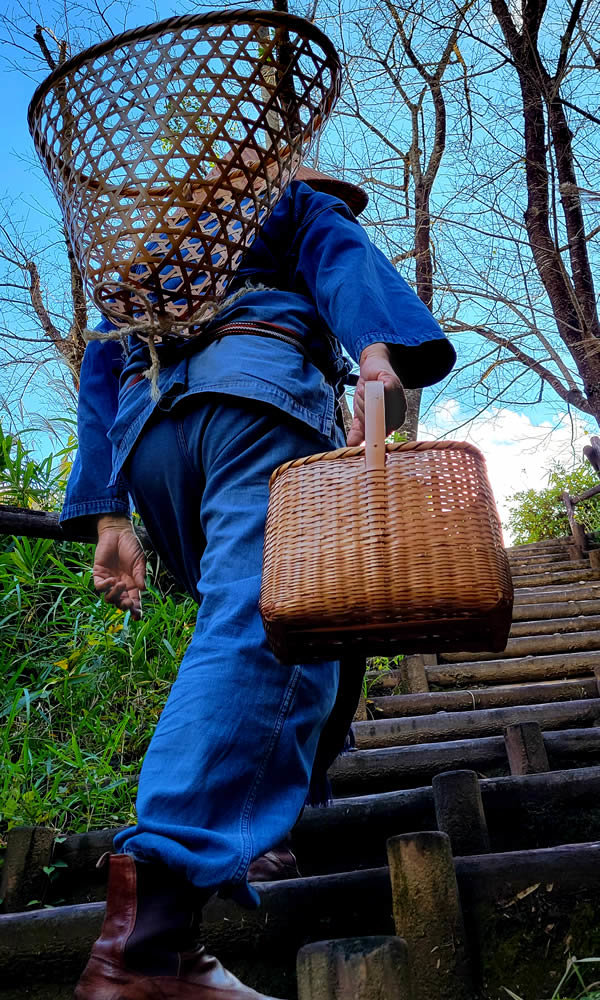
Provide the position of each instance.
(384, 549)
(168, 146)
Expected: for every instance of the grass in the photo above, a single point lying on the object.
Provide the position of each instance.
(574, 977)
(81, 684)
(82, 688)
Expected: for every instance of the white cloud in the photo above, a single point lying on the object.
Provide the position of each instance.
(518, 452)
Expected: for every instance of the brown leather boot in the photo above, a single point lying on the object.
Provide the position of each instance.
(278, 863)
(146, 948)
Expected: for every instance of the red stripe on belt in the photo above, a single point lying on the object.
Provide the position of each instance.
(133, 380)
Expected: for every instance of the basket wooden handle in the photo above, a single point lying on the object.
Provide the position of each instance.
(374, 426)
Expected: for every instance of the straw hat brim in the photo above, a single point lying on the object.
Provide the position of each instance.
(355, 197)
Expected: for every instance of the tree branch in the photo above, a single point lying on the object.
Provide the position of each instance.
(39, 38)
(571, 396)
(37, 301)
(565, 42)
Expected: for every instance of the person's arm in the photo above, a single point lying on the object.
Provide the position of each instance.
(90, 504)
(375, 365)
(119, 564)
(88, 494)
(360, 294)
(366, 303)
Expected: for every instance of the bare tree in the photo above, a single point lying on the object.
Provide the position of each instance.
(423, 165)
(26, 298)
(474, 126)
(551, 161)
(510, 226)
(43, 306)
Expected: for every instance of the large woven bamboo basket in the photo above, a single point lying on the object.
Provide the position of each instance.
(168, 146)
(384, 549)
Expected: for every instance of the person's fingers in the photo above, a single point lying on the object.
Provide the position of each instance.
(136, 605)
(113, 596)
(359, 397)
(104, 583)
(356, 434)
(395, 407)
(139, 575)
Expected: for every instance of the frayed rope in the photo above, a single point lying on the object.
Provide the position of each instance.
(153, 328)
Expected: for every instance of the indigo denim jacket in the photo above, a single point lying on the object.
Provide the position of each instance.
(316, 274)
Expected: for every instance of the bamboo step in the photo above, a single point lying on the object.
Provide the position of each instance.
(556, 594)
(553, 610)
(533, 645)
(549, 579)
(545, 545)
(551, 626)
(538, 559)
(528, 812)
(367, 772)
(444, 726)
(403, 705)
(564, 565)
(524, 669)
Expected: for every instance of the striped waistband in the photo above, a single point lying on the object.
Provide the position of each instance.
(254, 328)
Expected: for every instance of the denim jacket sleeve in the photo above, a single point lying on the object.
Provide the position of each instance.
(360, 294)
(88, 494)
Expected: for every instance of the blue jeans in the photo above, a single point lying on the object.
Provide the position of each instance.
(228, 768)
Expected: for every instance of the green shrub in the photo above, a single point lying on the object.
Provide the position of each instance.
(538, 514)
(28, 482)
(81, 684)
(82, 687)
(577, 971)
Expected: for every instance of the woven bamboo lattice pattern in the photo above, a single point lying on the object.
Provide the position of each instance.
(404, 559)
(168, 146)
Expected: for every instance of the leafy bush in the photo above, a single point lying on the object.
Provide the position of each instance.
(27, 482)
(538, 514)
(82, 687)
(574, 978)
(81, 684)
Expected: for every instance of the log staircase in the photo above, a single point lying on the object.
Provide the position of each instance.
(497, 760)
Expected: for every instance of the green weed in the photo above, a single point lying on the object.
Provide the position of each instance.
(81, 684)
(574, 978)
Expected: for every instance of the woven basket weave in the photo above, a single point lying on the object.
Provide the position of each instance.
(385, 550)
(169, 145)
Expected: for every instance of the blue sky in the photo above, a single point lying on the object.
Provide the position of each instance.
(516, 444)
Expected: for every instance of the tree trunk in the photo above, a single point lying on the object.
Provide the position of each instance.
(572, 297)
(410, 426)
(424, 287)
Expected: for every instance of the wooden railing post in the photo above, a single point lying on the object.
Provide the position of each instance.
(361, 714)
(459, 812)
(578, 547)
(414, 674)
(428, 915)
(369, 968)
(28, 851)
(525, 748)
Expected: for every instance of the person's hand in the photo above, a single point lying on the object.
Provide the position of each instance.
(119, 564)
(375, 366)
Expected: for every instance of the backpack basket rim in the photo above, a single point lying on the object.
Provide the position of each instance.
(183, 22)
